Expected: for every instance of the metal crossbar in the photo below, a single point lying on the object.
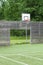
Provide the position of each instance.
(14, 24)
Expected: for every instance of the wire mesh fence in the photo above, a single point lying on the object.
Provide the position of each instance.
(6, 37)
(36, 32)
(19, 36)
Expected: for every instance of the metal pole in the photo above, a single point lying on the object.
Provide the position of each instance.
(26, 32)
(30, 34)
(39, 31)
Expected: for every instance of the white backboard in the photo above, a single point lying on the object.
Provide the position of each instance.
(25, 17)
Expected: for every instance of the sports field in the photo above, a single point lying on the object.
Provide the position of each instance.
(21, 54)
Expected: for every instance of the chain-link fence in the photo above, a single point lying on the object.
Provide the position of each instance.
(4, 36)
(36, 32)
(8, 26)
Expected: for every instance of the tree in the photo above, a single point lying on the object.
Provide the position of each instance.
(1, 10)
(12, 9)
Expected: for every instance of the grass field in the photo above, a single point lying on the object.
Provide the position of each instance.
(24, 54)
(19, 40)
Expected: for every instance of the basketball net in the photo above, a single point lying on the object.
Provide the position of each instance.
(26, 19)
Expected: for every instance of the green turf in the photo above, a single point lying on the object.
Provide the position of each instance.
(31, 54)
(19, 39)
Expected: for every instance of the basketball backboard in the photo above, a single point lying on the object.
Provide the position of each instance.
(25, 17)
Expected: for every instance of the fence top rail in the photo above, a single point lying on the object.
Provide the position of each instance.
(14, 24)
(17, 24)
(4, 21)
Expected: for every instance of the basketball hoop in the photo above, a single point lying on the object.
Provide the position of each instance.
(25, 17)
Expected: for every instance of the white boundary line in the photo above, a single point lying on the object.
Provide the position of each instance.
(31, 53)
(13, 60)
(32, 57)
(40, 59)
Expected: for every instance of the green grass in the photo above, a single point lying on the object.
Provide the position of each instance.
(19, 54)
(24, 54)
(19, 40)
(19, 37)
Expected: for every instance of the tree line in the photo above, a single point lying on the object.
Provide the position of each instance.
(19, 32)
(13, 9)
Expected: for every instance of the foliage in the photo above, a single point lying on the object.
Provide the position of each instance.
(1, 10)
(12, 9)
(19, 32)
